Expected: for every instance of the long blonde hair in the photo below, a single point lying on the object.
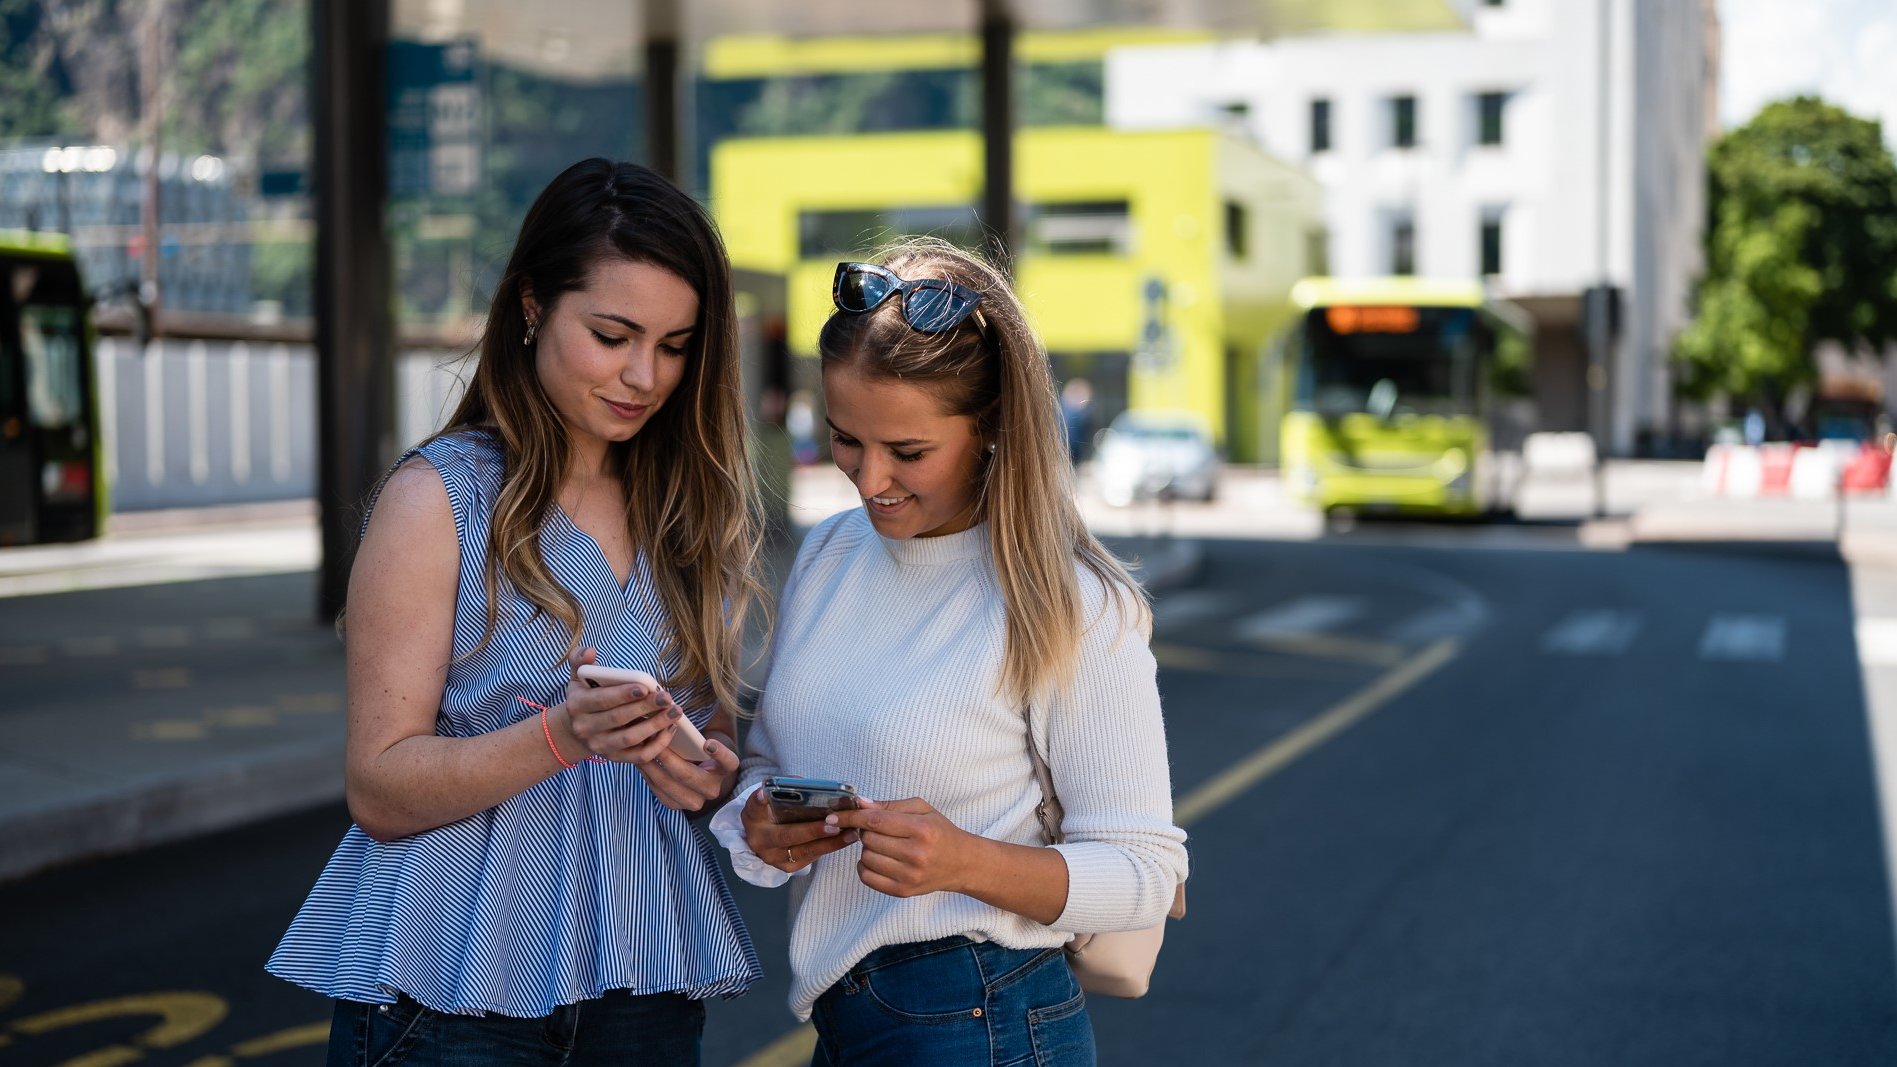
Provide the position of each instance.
(991, 368)
(692, 506)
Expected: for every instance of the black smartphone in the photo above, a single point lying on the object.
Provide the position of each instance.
(796, 799)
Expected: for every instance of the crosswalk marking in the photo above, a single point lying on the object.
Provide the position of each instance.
(1305, 615)
(1744, 638)
(1877, 641)
(1593, 632)
(1188, 606)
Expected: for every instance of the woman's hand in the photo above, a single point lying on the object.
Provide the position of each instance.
(622, 723)
(910, 849)
(685, 786)
(789, 847)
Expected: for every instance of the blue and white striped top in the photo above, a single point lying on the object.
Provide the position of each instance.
(581, 885)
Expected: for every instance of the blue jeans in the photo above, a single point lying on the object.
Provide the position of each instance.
(955, 1003)
(659, 1030)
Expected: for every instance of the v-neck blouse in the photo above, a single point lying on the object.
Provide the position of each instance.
(580, 885)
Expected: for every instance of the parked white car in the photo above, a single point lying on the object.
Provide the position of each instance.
(1146, 455)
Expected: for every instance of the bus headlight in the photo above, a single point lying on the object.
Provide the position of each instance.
(1453, 469)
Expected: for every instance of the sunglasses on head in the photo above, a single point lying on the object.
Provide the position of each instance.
(929, 305)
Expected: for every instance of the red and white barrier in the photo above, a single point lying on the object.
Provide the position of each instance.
(1798, 471)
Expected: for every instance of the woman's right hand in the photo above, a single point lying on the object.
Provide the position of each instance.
(789, 847)
(623, 723)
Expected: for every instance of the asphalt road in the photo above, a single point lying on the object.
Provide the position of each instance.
(1490, 806)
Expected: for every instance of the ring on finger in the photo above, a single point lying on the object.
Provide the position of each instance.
(790, 857)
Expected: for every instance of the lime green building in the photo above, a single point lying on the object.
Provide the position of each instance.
(1156, 265)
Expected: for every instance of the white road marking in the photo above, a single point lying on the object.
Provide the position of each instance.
(164, 636)
(1594, 632)
(1305, 615)
(1877, 642)
(97, 647)
(1744, 639)
(1177, 611)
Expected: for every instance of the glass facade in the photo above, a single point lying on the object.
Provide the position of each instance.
(487, 101)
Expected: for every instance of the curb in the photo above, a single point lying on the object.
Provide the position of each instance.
(240, 792)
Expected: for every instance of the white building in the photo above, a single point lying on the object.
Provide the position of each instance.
(1555, 146)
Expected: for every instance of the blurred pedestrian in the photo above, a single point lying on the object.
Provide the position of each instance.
(521, 884)
(1076, 409)
(926, 640)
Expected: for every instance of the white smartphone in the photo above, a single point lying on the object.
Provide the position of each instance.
(686, 740)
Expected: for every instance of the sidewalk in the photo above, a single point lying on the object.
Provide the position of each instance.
(171, 679)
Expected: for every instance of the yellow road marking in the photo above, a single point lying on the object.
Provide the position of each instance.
(181, 1017)
(162, 678)
(10, 989)
(795, 1046)
(1273, 757)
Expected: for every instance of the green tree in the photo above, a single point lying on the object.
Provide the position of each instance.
(29, 76)
(1801, 247)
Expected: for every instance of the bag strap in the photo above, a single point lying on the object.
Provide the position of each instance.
(1049, 810)
(1051, 814)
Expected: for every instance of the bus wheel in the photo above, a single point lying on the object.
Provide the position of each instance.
(1340, 519)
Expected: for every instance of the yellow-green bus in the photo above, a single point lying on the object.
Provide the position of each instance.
(52, 485)
(1388, 389)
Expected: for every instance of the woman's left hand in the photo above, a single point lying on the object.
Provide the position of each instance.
(685, 786)
(909, 848)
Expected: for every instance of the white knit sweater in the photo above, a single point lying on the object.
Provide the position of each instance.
(884, 674)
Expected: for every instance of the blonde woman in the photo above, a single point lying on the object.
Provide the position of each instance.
(521, 885)
(914, 637)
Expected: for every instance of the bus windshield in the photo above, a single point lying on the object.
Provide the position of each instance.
(1390, 360)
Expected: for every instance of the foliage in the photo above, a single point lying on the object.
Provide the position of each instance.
(1801, 247)
(30, 76)
(245, 64)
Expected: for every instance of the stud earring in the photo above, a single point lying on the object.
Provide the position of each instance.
(533, 327)
(991, 446)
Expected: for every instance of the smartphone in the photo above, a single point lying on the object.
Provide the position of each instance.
(686, 740)
(796, 799)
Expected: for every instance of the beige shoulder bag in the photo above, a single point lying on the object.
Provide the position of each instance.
(1118, 963)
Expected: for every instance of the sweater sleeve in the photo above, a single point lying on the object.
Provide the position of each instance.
(760, 755)
(1105, 745)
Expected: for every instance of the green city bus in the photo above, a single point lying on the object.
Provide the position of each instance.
(1389, 388)
(52, 485)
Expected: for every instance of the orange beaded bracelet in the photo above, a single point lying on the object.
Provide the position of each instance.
(547, 728)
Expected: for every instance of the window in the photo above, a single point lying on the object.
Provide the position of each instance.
(1235, 226)
(828, 234)
(1320, 125)
(1317, 251)
(1403, 121)
(1403, 245)
(1492, 242)
(1488, 112)
(1079, 228)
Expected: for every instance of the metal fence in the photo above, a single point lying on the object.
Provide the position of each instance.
(191, 422)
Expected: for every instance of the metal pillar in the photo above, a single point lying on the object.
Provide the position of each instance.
(664, 66)
(355, 329)
(997, 133)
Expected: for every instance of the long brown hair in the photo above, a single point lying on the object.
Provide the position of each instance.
(991, 368)
(691, 500)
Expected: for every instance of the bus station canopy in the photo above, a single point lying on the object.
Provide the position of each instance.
(355, 334)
